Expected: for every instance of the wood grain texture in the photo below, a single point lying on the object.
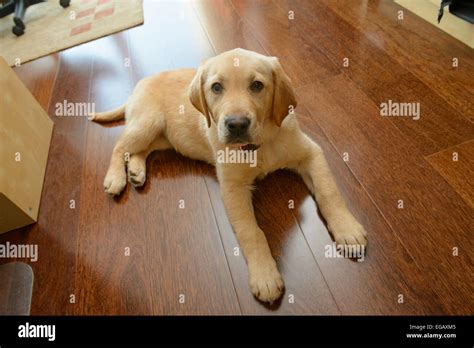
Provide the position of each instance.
(57, 229)
(428, 55)
(16, 285)
(191, 251)
(456, 166)
(402, 174)
(382, 79)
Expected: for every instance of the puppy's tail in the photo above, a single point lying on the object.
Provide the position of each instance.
(109, 116)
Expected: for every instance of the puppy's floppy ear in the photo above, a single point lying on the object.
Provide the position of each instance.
(284, 100)
(196, 94)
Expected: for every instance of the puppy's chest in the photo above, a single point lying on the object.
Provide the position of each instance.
(270, 161)
(255, 164)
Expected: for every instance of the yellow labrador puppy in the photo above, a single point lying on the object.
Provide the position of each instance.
(237, 106)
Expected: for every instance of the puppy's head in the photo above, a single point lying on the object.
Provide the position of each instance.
(244, 94)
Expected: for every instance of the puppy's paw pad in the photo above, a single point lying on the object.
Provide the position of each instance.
(114, 184)
(267, 285)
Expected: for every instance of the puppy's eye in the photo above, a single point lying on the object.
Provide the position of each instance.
(256, 86)
(217, 87)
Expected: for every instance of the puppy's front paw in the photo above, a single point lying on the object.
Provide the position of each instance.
(266, 282)
(115, 182)
(346, 230)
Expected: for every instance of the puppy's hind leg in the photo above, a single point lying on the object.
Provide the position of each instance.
(136, 169)
(137, 164)
(136, 138)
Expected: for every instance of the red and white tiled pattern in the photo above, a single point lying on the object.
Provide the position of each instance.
(89, 12)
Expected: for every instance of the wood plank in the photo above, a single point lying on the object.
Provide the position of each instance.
(107, 281)
(16, 284)
(187, 256)
(57, 229)
(456, 166)
(433, 220)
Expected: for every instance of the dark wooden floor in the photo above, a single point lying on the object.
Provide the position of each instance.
(190, 251)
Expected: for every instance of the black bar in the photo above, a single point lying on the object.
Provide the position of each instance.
(221, 330)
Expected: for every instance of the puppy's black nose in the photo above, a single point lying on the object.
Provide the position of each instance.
(237, 125)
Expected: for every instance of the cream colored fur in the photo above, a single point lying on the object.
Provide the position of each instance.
(178, 109)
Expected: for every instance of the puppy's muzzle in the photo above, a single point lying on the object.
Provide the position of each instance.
(237, 128)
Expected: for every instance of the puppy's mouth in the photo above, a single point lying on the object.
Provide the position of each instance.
(249, 147)
(244, 146)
